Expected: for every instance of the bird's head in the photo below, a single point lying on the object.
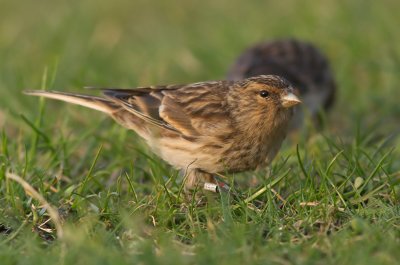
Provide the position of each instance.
(264, 98)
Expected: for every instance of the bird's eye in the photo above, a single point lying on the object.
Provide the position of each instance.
(264, 93)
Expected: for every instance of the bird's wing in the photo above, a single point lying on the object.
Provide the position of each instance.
(141, 102)
(192, 110)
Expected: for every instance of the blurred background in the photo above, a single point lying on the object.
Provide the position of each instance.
(137, 43)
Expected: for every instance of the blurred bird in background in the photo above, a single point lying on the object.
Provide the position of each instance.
(302, 64)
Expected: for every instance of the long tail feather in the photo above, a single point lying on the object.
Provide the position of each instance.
(97, 103)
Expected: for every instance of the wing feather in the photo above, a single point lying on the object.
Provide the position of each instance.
(192, 110)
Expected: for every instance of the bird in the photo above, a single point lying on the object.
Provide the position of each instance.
(302, 64)
(203, 128)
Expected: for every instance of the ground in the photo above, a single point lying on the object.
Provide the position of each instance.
(330, 197)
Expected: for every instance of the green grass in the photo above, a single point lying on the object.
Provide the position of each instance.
(330, 197)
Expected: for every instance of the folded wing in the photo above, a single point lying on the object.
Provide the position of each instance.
(192, 110)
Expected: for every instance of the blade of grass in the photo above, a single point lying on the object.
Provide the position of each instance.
(53, 213)
(301, 163)
(368, 195)
(38, 122)
(328, 169)
(89, 174)
(36, 129)
(11, 237)
(135, 198)
(263, 189)
(4, 144)
(377, 167)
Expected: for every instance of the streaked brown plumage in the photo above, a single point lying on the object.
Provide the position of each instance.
(202, 128)
(301, 63)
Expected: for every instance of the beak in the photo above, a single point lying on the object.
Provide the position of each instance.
(290, 100)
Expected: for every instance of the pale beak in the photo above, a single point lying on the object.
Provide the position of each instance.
(290, 100)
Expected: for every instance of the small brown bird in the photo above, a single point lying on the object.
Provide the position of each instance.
(202, 128)
(301, 63)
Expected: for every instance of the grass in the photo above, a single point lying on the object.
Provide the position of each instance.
(330, 197)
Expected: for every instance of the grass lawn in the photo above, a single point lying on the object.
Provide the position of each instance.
(330, 197)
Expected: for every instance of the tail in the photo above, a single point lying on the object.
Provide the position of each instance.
(97, 103)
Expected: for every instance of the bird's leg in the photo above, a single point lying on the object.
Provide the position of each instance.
(196, 182)
(196, 179)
